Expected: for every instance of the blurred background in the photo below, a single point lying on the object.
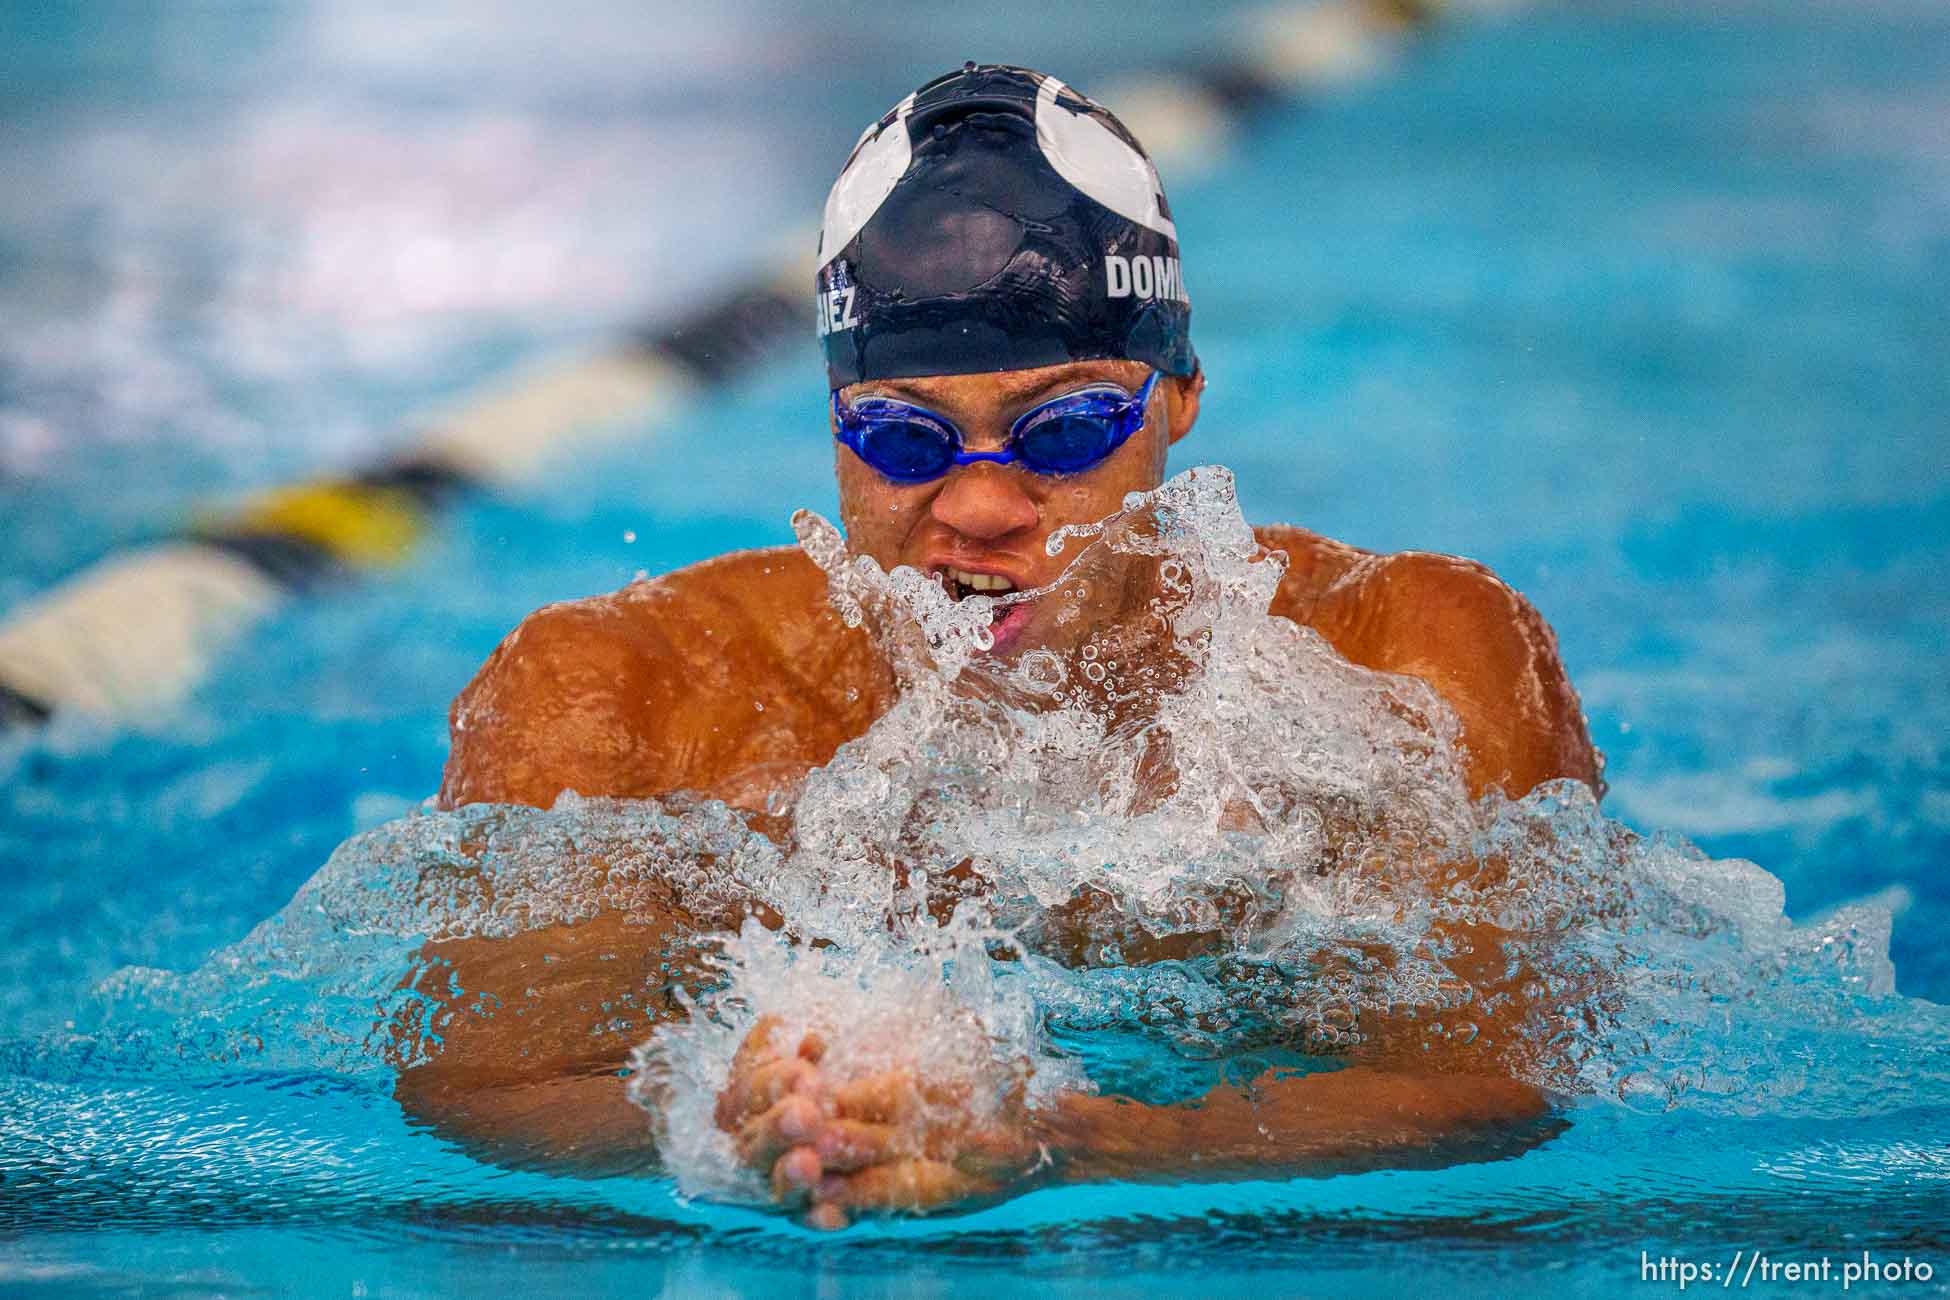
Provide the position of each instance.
(1643, 303)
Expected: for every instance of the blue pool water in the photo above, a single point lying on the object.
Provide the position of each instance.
(1643, 306)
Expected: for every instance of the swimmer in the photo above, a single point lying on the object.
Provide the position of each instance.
(1006, 330)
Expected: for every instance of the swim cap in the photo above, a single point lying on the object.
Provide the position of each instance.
(995, 219)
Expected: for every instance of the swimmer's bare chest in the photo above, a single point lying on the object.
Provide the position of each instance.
(734, 676)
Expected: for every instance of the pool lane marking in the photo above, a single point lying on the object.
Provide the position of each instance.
(505, 437)
(136, 632)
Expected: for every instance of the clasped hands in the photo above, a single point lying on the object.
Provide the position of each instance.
(895, 1139)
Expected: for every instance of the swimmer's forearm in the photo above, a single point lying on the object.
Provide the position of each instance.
(1317, 1124)
(583, 1124)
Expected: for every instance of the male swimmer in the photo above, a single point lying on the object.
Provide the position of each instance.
(1006, 331)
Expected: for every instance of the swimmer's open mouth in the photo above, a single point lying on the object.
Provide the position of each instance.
(963, 583)
(1009, 617)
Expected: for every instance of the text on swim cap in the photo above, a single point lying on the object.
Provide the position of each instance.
(836, 310)
(1143, 277)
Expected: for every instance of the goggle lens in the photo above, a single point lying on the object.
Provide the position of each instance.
(1068, 443)
(906, 449)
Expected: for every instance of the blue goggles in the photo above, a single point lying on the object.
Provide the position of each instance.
(1065, 435)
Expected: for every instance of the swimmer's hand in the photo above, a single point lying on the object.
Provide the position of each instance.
(893, 1141)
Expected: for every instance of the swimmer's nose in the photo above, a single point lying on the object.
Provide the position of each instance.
(985, 502)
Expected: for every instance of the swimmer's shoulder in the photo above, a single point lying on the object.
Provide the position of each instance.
(1456, 625)
(756, 619)
(567, 701)
(1313, 565)
(662, 685)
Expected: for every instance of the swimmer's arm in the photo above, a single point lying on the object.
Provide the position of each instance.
(1494, 661)
(1296, 1126)
(582, 1124)
(515, 1049)
(1414, 1098)
(1482, 647)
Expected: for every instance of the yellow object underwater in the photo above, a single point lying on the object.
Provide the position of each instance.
(360, 524)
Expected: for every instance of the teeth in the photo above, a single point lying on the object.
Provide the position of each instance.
(981, 581)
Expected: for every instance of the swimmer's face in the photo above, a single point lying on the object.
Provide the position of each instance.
(992, 519)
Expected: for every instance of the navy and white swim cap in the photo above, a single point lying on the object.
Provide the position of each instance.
(995, 219)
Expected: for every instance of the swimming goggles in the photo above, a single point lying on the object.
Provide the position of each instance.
(1066, 435)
